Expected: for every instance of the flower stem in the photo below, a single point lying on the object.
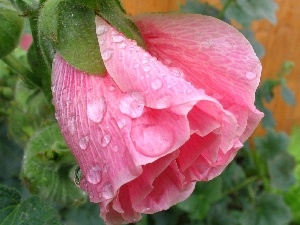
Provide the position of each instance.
(14, 63)
(225, 6)
(240, 186)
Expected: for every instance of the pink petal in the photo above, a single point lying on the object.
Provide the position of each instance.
(213, 55)
(160, 186)
(94, 129)
(134, 70)
(26, 41)
(151, 127)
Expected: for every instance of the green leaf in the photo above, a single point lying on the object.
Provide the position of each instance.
(11, 166)
(193, 6)
(263, 9)
(236, 12)
(114, 14)
(232, 176)
(288, 95)
(85, 214)
(71, 30)
(258, 48)
(199, 203)
(245, 11)
(294, 146)
(11, 25)
(281, 171)
(49, 166)
(27, 113)
(267, 209)
(272, 144)
(31, 211)
(35, 65)
(220, 215)
(293, 200)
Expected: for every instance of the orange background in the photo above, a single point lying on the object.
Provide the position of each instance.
(281, 42)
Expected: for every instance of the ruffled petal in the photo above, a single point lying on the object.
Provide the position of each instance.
(160, 186)
(213, 55)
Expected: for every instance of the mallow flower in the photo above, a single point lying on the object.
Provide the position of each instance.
(161, 118)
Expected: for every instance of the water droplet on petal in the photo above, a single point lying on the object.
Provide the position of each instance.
(101, 29)
(121, 123)
(53, 88)
(123, 45)
(164, 101)
(152, 140)
(132, 104)
(147, 68)
(96, 109)
(136, 66)
(105, 168)
(176, 72)
(156, 84)
(111, 88)
(72, 125)
(115, 148)
(101, 42)
(84, 141)
(188, 91)
(107, 191)
(145, 210)
(144, 61)
(56, 116)
(250, 75)
(118, 38)
(107, 54)
(105, 140)
(94, 175)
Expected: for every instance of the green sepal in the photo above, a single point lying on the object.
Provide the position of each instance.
(32, 210)
(49, 166)
(113, 13)
(11, 26)
(70, 29)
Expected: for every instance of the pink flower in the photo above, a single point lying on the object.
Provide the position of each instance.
(26, 41)
(162, 118)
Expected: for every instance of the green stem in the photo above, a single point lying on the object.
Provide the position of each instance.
(13, 63)
(225, 6)
(241, 185)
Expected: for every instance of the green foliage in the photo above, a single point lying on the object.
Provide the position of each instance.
(11, 26)
(192, 6)
(60, 22)
(292, 196)
(29, 110)
(266, 209)
(205, 194)
(245, 11)
(49, 166)
(32, 210)
(265, 93)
